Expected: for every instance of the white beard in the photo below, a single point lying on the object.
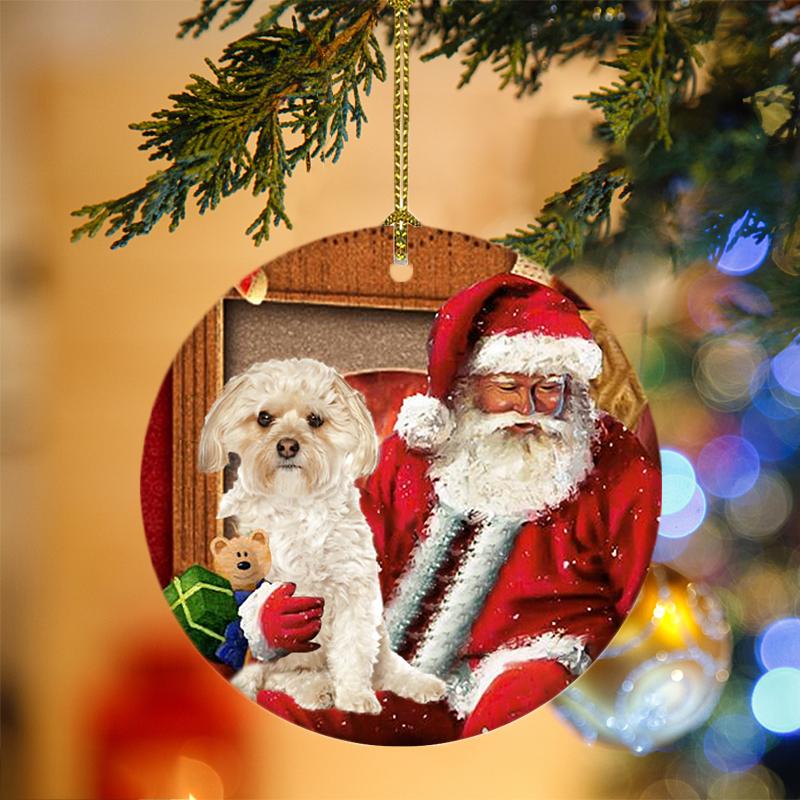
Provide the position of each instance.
(485, 468)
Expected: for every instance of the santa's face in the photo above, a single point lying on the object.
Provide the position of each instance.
(524, 394)
(521, 444)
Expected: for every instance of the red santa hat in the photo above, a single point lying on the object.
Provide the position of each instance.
(504, 324)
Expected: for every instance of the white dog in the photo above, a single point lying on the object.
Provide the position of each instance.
(303, 436)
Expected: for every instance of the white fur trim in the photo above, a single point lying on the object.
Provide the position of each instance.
(532, 270)
(450, 627)
(249, 612)
(536, 354)
(424, 422)
(568, 650)
(402, 609)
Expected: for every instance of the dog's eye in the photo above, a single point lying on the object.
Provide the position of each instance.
(264, 419)
(314, 420)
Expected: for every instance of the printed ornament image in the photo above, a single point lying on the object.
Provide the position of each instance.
(401, 513)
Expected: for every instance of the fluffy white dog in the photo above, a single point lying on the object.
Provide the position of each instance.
(303, 435)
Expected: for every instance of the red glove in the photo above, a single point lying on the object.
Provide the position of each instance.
(289, 623)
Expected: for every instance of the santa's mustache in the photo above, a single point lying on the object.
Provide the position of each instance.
(486, 424)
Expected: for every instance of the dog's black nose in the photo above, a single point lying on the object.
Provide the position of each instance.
(243, 565)
(288, 448)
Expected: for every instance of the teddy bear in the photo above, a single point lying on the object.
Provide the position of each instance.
(243, 560)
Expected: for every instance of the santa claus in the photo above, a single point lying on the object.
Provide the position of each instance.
(513, 521)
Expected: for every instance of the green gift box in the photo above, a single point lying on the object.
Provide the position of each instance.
(204, 605)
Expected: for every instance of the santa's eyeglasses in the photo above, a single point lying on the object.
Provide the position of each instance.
(547, 393)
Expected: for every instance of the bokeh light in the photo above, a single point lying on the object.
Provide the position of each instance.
(687, 520)
(789, 432)
(669, 550)
(725, 370)
(776, 700)
(763, 510)
(706, 552)
(779, 644)
(755, 784)
(765, 593)
(695, 424)
(742, 254)
(669, 789)
(770, 397)
(712, 295)
(769, 435)
(678, 481)
(728, 466)
(786, 368)
(779, 392)
(772, 405)
(734, 743)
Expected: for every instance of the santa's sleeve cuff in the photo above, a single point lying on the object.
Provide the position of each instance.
(249, 613)
(569, 651)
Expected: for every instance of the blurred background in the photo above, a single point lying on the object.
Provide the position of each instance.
(103, 695)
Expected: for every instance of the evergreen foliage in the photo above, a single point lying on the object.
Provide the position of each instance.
(230, 132)
(688, 163)
(519, 39)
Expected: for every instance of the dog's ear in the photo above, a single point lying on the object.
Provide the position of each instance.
(213, 452)
(365, 453)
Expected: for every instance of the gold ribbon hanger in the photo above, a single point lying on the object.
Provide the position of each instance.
(401, 270)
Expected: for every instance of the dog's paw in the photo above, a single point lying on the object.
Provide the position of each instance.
(426, 688)
(249, 681)
(317, 694)
(358, 702)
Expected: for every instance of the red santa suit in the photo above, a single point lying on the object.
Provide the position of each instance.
(506, 608)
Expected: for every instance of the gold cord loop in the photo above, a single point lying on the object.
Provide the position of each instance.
(401, 217)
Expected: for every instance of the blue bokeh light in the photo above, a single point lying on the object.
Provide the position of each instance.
(771, 406)
(687, 520)
(786, 367)
(788, 431)
(776, 700)
(678, 481)
(667, 550)
(766, 435)
(728, 466)
(744, 254)
(734, 743)
(779, 644)
(707, 298)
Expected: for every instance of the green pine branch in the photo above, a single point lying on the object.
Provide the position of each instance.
(657, 67)
(209, 10)
(571, 219)
(518, 39)
(688, 166)
(280, 96)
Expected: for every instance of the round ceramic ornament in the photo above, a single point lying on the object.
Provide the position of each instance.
(400, 512)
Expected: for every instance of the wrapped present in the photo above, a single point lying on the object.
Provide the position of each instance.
(204, 605)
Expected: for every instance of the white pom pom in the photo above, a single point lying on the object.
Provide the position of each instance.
(424, 423)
